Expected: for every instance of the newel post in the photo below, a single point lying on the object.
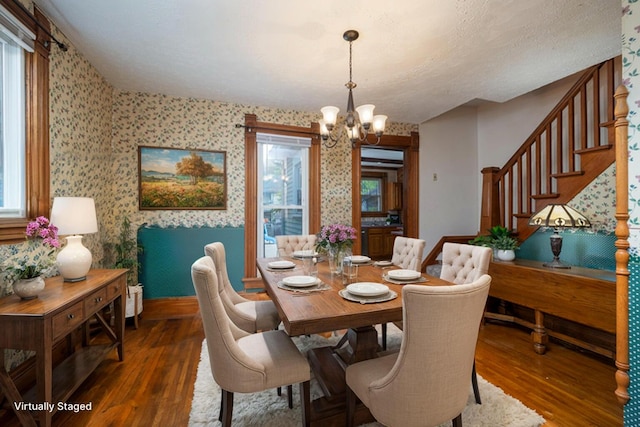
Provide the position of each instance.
(490, 210)
(622, 245)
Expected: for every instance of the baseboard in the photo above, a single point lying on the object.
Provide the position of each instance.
(170, 308)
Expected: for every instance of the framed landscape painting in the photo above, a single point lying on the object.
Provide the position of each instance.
(173, 178)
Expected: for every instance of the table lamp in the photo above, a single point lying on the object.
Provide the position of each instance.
(558, 216)
(74, 216)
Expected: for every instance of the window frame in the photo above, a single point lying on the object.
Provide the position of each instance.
(251, 126)
(382, 177)
(37, 168)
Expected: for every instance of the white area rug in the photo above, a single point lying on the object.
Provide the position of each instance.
(267, 409)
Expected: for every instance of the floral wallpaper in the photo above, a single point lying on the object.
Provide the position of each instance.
(598, 202)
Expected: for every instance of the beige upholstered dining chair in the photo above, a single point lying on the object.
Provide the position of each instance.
(427, 382)
(251, 316)
(242, 362)
(462, 264)
(287, 245)
(407, 254)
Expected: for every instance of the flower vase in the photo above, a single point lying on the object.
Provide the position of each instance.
(335, 256)
(28, 288)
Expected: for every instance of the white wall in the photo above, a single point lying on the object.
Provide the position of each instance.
(449, 149)
(460, 143)
(502, 128)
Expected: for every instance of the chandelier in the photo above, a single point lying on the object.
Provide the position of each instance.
(356, 131)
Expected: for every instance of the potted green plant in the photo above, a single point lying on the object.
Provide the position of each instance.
(501, 240)
(126, 256)
(505, 246)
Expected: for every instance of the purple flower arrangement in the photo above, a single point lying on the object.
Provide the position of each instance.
(35, 257)
(335, 236)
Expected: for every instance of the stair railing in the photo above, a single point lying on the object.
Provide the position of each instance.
(581, 123)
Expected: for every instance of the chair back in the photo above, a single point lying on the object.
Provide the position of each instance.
(231, 367)
(463, 263)
(287, 245)
(430, 380)
(407, 253)
(218, 255)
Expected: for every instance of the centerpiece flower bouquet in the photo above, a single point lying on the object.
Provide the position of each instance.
(35, 257)
(334, 240)
(336, 237)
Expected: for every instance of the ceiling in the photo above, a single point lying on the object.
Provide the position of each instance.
(415, 59)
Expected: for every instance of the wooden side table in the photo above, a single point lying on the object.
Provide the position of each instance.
(40, 323)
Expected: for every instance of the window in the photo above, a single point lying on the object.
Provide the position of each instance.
(12, 129)
(372, 193)
(30, 122)
(283, 190)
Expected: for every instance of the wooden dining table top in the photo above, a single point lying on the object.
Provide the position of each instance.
(323, 311)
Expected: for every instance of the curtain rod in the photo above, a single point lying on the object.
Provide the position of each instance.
(252, 128)
(63, 47)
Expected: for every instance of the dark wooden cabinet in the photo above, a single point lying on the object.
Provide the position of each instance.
(380, 242)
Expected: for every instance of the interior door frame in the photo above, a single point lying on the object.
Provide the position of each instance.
(410, 145)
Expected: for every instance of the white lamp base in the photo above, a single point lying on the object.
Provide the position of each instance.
(74, 260)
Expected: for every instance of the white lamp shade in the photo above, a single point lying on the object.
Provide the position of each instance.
(365, 112)
(354, 132)
(379, 123)
(323, 128)
(74, 215)
(330, 115)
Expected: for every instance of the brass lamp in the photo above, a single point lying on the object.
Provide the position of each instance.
(558, 216)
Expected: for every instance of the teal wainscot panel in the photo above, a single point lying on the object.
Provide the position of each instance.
(168, 253)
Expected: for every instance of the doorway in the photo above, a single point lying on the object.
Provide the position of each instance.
(409, 193)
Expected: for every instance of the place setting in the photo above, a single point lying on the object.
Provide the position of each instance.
(281, 266)
(360, 260)
(367, 292)
(403, 277)
(305, 253)
(303, 284)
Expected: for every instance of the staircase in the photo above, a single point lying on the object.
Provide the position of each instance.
(567, 151)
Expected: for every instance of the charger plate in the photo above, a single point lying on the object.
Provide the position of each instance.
(367, 300)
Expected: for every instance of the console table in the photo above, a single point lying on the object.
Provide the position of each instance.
(38, 324)
(581, 295)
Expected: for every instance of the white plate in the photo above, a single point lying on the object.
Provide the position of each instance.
(403, 274)
(383, 263)
(367, 289)
(299, 281)
(359, 259)
(304, 254)
(281, 264)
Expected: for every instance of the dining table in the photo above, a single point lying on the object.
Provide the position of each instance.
(327, 306)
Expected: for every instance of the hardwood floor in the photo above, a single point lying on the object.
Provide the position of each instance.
(153, 386)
